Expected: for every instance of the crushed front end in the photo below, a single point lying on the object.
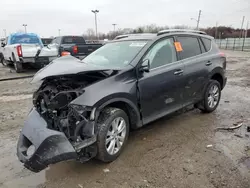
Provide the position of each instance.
(55, 129)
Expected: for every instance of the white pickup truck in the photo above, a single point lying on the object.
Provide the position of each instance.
(23, 48)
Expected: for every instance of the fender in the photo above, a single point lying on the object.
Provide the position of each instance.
(217, 70)
(114, 89)
(128, 102)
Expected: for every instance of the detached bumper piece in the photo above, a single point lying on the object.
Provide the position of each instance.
(39, 146)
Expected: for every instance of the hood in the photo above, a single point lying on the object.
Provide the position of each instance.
(66, 65)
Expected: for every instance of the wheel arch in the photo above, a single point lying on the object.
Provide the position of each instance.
(218, 75)
(13, 58)
(126, 105)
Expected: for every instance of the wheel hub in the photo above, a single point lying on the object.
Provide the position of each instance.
(116, 135)
(213, 96)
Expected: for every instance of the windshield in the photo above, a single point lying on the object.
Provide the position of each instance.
(25, 39)
(116, 54)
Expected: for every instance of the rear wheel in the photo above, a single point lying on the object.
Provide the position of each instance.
(2, 60)
(113, 131)
(211, 97)
(17, 64)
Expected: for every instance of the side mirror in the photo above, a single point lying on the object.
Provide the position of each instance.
(145, 66)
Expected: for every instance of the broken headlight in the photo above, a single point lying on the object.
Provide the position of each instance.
(80, 109)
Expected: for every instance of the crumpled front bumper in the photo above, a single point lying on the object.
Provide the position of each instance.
(50, 146)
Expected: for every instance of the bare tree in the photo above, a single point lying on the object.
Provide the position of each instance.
(90, 33)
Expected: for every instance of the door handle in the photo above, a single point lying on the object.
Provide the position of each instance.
(178, 72)
(208, 63)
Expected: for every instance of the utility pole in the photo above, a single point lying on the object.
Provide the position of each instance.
(243, 19)
(95, 12)
(198, 21)
(244, 39)
(5, 35)
(114, 26)
(246, 29)
(25, 25)
(216, 30)
(59, 32)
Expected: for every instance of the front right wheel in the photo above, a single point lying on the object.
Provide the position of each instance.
(113, 131)
(211, 97)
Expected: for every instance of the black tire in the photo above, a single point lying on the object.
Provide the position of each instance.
(107, 116)
(17, 64)
(203, 105)
(2, 60)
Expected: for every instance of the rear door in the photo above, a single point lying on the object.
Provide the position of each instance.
(161, 88)
(195, 67)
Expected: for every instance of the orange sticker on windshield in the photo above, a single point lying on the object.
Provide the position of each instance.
(178, 46)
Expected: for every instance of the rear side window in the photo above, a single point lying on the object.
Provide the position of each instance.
(73, 40)
(190, 47)
(207, 43)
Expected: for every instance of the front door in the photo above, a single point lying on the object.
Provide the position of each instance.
(161, 88)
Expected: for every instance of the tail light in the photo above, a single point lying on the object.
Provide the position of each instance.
(75, 49)
(223, 56)
(64, 53)
(19, 51)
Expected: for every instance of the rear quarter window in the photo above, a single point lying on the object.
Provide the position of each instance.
(190, 46)
(73, 40)
(207, 43)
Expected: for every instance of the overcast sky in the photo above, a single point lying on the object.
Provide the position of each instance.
(45, 17)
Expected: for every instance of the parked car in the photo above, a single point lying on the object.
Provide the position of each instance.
(23, 48)
(72, 45)
(3, 41)
(85, 109)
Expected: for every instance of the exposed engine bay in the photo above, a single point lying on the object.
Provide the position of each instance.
(52, 102)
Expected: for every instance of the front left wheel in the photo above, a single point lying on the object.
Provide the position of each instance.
(113, 131)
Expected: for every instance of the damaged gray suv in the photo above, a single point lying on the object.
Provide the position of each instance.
(85, 109)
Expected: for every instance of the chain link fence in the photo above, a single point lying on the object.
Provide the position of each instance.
(242, 44)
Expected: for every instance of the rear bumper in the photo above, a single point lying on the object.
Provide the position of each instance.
(50, 146)
(37, 61)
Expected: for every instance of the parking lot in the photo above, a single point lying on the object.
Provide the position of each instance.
(182, 150)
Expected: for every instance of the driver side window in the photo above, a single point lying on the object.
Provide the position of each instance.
(162, 53)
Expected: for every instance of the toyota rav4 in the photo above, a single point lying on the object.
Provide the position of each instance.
(86, 108)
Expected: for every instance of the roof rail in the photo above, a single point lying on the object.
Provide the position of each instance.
(131, 34)
(180, 30)
(120, 37)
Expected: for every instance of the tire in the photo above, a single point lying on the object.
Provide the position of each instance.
(207, 105)
(105, 127)
(2, 60)
(17, 64)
